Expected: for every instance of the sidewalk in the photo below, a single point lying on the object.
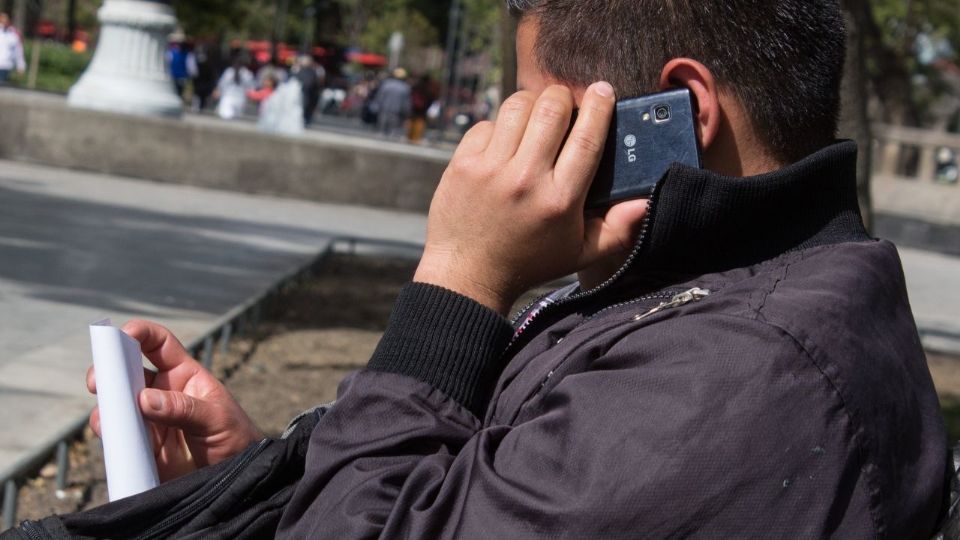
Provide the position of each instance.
(933, 282)
(76, 248)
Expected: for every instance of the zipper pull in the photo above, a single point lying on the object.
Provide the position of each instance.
(693, 295)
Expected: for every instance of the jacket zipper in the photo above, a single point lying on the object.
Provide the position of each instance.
(678, 300)
(693, 295)
(218, 488)
(665, 295)
(645, 227)
(31, 529)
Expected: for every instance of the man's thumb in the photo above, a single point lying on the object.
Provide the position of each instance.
(173, 409)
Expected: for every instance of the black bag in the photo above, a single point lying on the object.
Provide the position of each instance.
(242, 497)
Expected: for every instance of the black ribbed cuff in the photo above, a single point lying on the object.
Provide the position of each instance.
(446, 340)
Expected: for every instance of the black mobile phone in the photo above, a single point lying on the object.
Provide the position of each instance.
(648, 135)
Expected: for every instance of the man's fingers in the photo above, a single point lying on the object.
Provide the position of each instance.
(91, 380)
(616, 232)
(159, 345)
(546, 129)
(95, 421)
(177, 410)
(581, 154)
(511, 124)
(476, 139)
(148, 377)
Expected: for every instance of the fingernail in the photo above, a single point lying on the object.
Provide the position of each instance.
(604, 89)
(154, 400)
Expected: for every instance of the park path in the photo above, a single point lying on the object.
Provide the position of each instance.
(76, 248)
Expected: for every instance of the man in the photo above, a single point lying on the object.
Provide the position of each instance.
(422, 96)
(738, 360)
(392, 103)
(311, 76)
(11, 50)
(182, 62)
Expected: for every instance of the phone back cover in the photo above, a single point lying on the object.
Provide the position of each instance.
(639, 152)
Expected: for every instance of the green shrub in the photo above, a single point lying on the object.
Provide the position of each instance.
(59, 68)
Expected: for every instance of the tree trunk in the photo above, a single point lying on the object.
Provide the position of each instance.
(854, 120)
(71, 21)
(508, 49)
(328, 22)
(20, 16)
(279, 28)
(891, 78)
(34, 13)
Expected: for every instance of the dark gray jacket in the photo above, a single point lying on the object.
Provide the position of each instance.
(793, 400)
(394, 97)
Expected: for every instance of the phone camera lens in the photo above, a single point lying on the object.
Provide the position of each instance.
(661, 113)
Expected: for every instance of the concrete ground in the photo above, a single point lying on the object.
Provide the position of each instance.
(921, 215)
(933, 282)
(76, 248)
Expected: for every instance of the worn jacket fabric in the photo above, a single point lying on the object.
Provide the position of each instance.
(784, 395)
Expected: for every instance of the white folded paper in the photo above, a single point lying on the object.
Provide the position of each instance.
(127, 451)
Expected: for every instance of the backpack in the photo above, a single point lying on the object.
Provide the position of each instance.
(243, 497)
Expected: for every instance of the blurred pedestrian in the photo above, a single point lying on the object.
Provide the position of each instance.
(267, 88)
(311, 76)
(182, 62)
(11, 50)
(365, 93)
(422, 96)
(393, 103)
(209, 63)
(232, 90)
(282, 111)
(272, 69)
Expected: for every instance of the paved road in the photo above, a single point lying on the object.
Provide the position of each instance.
(75, 248)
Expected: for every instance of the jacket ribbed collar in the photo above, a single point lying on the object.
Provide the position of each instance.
(702, 222)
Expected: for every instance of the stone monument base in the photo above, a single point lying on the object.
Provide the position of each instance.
(129, 73)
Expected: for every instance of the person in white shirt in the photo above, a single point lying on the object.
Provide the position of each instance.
(232, 90)
(11, 50)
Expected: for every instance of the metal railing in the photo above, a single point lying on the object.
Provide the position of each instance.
(240, 320)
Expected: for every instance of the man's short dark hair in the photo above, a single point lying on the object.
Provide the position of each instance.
(783, 59)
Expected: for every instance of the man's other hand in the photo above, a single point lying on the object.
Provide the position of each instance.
(193, 419)
(509, 211)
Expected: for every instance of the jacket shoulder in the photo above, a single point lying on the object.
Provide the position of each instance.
(731, 407)
(847, 306)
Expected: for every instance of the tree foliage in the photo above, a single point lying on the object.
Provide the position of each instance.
(225, 18)
(370, 23)
(909, 48)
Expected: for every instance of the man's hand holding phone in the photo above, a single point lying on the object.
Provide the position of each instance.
(509, 212)
(193, 419)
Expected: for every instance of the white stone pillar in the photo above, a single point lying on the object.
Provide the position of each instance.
(128, 73)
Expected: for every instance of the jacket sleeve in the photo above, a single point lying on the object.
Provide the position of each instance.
(650, 440)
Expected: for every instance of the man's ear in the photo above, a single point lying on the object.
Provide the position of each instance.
(699, 80)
